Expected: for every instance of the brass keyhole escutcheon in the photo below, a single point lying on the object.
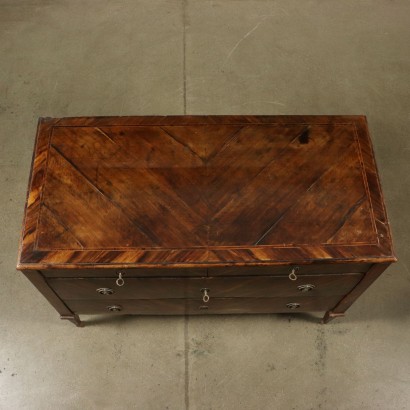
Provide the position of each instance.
(105, 291)
(306, 288)
(293, 305)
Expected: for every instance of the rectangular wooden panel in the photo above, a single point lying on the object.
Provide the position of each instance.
(126, 273)
(167, 288)
(196, 306)
(316, 268)
(201, 272)
(202, 191)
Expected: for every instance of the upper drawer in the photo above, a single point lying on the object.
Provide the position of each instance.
(126, 273)
(169, 288)
(286, 270)
(201, 272)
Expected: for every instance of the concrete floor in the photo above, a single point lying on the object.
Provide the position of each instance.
(117, 57)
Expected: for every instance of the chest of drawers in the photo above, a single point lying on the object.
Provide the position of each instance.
(204, 215)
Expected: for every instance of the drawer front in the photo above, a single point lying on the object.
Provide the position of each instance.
(197, 307)
(229, 287)
(127, 273)
(324, 269)
(202, 272)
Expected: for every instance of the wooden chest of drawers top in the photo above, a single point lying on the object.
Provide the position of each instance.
(203, 192)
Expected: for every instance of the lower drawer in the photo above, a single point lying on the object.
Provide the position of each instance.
(197, 307)
(190, 288)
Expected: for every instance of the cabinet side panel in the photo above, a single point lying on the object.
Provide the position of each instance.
(37, 279)
(373, 273)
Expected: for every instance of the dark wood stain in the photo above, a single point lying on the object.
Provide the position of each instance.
(304, 137)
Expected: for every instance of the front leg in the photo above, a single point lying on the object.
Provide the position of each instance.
(73, 319)
(330, 315)
(372, 274)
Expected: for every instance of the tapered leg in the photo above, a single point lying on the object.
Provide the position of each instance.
(73, 319)
(339, 310)
(38, 280)
(329, 315)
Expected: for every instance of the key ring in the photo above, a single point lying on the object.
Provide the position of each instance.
(292, 275)
(120, 280)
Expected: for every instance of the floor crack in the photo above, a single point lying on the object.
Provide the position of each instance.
(186, 353)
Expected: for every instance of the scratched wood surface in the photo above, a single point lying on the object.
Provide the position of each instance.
(203, 190)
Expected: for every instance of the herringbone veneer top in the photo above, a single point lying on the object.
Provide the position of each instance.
(203, 190)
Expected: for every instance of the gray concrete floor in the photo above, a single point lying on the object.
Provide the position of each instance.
(112, 57)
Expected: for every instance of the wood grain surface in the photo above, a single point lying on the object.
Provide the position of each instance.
(203, 191)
